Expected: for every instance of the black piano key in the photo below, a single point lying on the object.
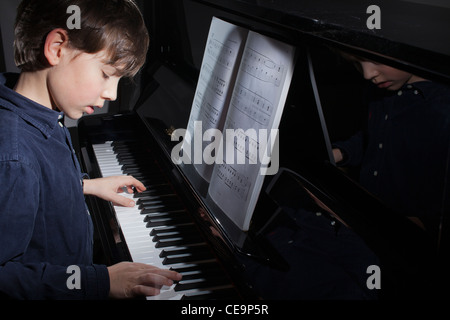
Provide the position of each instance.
(128, 146)
(149, 183)
(172, 234)
(189, 238)
(207, 282)
(154, 190)
(200, 283)
(188, 257)
(130, 157)
(158, 201)
(206, 269)
(158, 208)
(157, 222)
(178, 241)
(122, 143)
(143, 173)
(135, 157)
(155, 197)
(190, 227)
(162, 207)
(205, 275)
(149, 203)
(152, 216)
(141, 168)
(180, 250)
(143, 164)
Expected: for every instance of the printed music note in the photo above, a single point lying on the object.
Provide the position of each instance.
(237, 183)
(262, 67)
(252, 105)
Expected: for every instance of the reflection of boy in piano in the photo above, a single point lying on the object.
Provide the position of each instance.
(45, 228)
(409, 119)
(404, 152)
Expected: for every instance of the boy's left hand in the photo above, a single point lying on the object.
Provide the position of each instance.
(109, 188)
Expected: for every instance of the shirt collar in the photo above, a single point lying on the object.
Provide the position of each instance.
(37, 115)
(425, 88)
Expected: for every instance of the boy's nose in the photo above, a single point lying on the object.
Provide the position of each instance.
(110, 92)
(370, 70)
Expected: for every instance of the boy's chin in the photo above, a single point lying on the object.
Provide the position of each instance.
(74, 116)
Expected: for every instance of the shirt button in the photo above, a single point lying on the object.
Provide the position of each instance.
(409, 86)
(380, 146)
(386, 117)
(416, 92)
(400, 92)
(60, 124)
(375, 173)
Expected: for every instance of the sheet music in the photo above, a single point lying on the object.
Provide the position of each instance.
(257, 103)
(219, 67)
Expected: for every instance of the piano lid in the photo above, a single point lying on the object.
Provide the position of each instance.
(412, 33)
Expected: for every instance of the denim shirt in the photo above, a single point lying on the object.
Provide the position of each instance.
(45, 226)
(404, 154)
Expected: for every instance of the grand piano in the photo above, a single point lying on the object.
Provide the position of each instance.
(173, 224)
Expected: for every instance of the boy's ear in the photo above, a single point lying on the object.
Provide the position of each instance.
(55, 44)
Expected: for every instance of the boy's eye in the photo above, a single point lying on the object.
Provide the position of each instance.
(358, 66)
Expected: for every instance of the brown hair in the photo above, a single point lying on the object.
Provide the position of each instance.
(114, 25)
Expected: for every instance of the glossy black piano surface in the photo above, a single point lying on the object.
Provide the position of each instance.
(160, 100)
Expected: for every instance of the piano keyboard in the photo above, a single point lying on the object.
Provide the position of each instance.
(158, 230)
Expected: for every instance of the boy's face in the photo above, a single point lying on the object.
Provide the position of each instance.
(383, 76)
(81, 82)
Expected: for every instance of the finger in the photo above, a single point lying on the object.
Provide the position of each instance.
(170, 274)
(141, 290)
(122, 201)
(133, 182)
(154, 280)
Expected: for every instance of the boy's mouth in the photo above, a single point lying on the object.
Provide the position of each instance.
(90, 110)
(384, 84)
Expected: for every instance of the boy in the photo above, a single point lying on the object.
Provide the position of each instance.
(45, 228)
(404, 153)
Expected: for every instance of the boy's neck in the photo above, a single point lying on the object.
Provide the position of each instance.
(33, 85)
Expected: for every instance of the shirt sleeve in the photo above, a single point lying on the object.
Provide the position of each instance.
(352, 150)
(19, 202)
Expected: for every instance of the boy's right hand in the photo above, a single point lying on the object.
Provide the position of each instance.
(131, 279)
(337, 154)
